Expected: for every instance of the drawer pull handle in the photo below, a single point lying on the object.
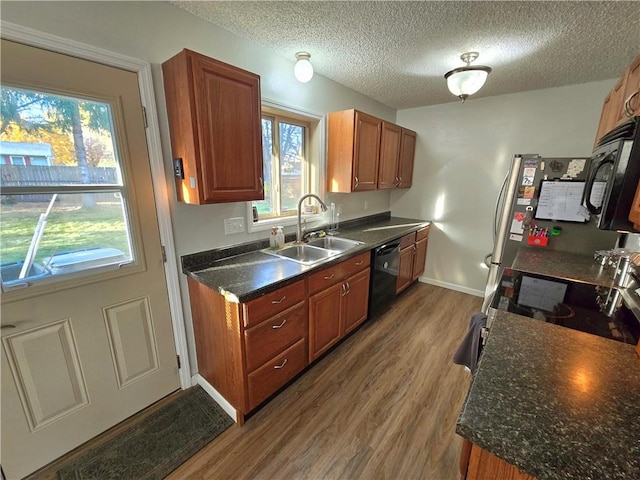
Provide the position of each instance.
(330, 276)
(275, 302)
(358, 263)
(344, 289)
(278, 367)
(281, 325)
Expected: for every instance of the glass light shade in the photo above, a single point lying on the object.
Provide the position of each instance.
(303, 70)
(466, 82)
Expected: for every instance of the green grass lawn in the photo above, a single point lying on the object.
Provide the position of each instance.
(67, 229)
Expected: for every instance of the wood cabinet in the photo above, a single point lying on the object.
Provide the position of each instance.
(622, 102)
(407, 154)
(389, 155)
(367, 153)
(215, 127)
(413, 254)
(248, 351)
(634, 213)
(397, 152)
(354, 150)
(486, 466)
(338, 302)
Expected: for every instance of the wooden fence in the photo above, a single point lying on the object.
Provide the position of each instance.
(36, 176)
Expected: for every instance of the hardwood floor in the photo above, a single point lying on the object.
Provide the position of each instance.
(383, 404)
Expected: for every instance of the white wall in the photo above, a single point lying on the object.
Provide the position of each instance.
(463, 152)
(154, 32)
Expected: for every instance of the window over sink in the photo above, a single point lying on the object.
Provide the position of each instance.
(293, 153)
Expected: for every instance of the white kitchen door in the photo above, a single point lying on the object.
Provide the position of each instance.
(88, 342)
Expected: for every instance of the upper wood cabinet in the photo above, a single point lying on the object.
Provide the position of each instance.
(407, 154)
(367, 153)
(354, 149)
(622, 102)
(215, 126)
(389, 155)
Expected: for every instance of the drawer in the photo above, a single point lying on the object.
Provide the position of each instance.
(272, 303)
(275, 373)
(355, 264)
(338, 272)
(407, 240)
(422, 233)
(266, 340)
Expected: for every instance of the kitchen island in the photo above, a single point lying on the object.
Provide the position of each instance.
(555, 402)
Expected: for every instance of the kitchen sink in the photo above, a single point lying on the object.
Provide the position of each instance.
(334, 243)
(305, 254)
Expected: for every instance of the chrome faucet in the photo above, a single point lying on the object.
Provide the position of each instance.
(322, 206)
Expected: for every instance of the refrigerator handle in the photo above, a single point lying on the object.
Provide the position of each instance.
(499, 200)
(505, 220)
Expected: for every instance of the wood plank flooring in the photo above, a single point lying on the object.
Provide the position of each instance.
(382, 405)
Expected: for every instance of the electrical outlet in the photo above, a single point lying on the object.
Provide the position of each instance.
(233, 225)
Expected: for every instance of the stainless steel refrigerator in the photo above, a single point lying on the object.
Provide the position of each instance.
(547, 193)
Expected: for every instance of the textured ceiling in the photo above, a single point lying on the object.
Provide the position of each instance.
(398, 52)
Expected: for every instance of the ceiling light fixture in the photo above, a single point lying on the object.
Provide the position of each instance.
(465, 81)
(303, 70)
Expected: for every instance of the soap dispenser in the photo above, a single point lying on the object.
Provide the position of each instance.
(280, 237)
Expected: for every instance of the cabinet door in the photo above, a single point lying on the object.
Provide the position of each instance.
(486, 466)
(356, 300)
(227, 103)
(420, 258)
(604, 116)
(366, 152)
(631, 95)
(389, 155)
(405, 268)
(324, 320)
(634, 214)
(407, 154)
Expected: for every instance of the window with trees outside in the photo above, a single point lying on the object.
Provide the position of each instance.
(286, 168)
(65, 211)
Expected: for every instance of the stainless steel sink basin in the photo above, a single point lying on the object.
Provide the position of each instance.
(305, 254)
(335, 243)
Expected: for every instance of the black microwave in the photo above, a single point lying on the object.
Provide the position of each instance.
(614, 172)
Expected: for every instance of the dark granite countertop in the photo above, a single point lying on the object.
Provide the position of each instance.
(565, 265)
(555, 402)
(245, 272)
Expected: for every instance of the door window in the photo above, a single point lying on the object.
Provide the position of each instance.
(68, 215)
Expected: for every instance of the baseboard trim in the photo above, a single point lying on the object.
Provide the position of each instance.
(452, 286)
(213, 393)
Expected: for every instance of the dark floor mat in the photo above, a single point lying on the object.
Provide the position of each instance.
(155, 446)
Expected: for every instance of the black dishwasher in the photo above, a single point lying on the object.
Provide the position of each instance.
(384, 276)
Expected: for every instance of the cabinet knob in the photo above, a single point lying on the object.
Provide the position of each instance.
(279, 326)
(344, 289)
(278, 367)
(399, 180)
(261, 185)
(356, 181)
(275, 302)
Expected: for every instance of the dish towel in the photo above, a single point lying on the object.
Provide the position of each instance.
(469, 350)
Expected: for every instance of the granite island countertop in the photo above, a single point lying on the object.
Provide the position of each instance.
(556, 403)
(244, 275)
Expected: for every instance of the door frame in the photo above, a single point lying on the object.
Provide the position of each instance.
(46, 41)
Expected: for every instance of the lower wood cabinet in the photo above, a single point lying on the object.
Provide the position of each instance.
(248, 351)
(486, 466)
(339, 304)
(413, 255)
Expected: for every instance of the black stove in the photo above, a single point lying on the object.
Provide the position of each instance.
(568, 304)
